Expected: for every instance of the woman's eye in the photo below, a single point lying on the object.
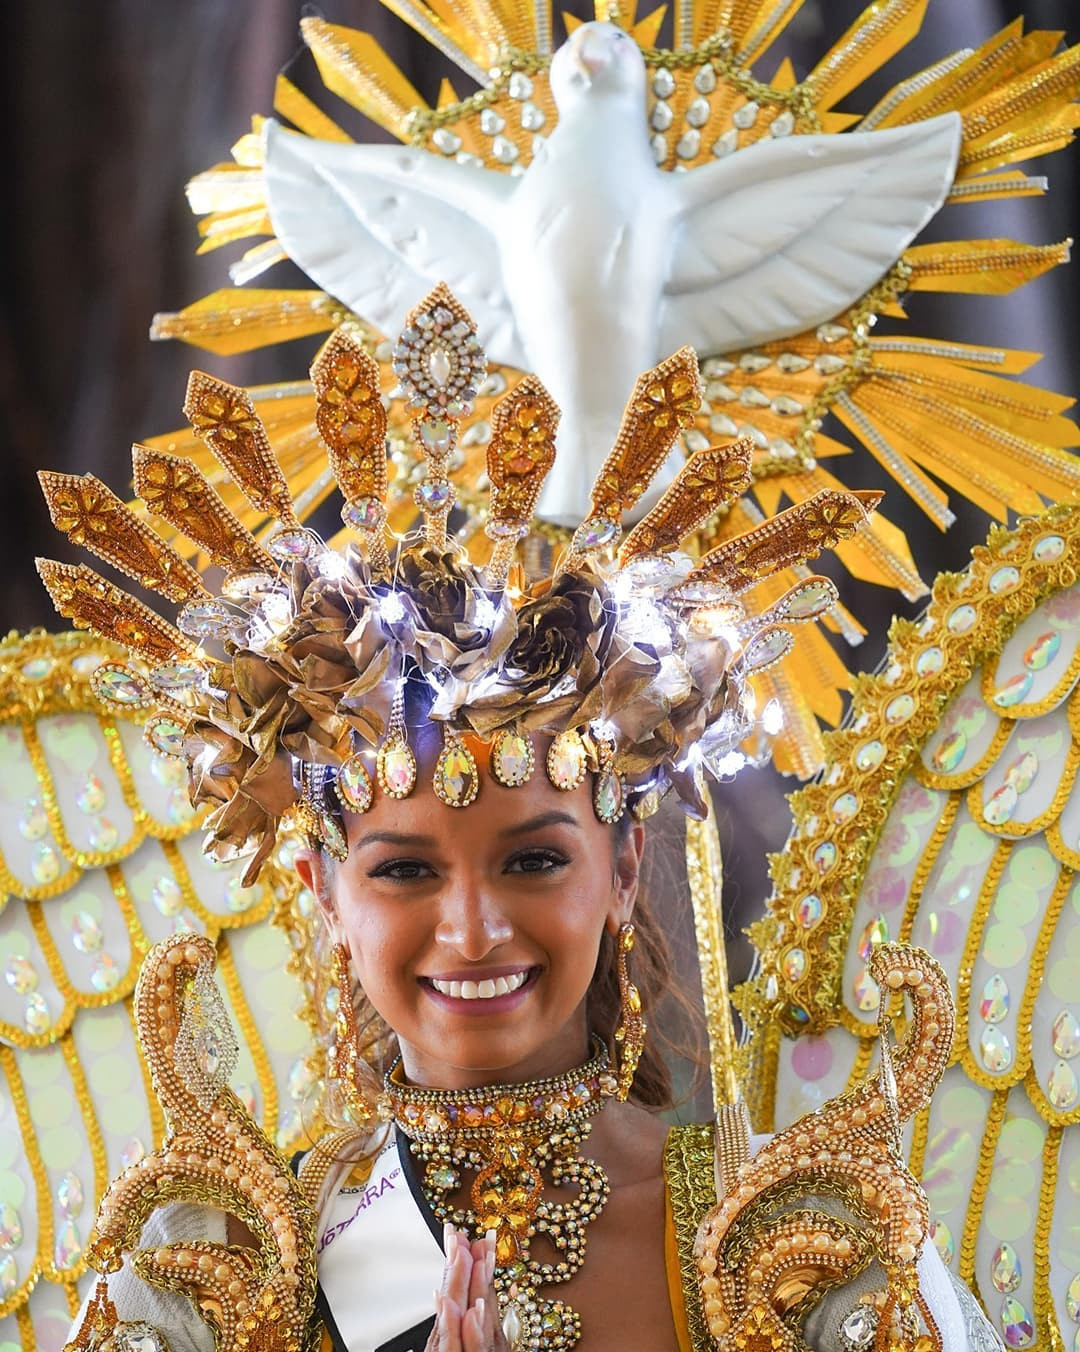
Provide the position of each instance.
(402, 870)
(536, 861)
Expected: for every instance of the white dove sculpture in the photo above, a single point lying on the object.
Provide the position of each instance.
(593, 264)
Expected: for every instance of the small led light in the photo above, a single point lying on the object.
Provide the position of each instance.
(332, 565)
(392, 608)
(729, 764)
(772, 717)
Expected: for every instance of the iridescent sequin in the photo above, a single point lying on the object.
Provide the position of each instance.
(1065, 1035)
(994, 1005)
(870, 755)
(456, 779)
(1005, 1270)
(995, 1049)
(69, 1247)
(809, 911)
(949, 752)
(793, 965)
(1001, 805)
(943, 1240)
(1004, 580)
(86, 933)
(104, 973)
(1016, 1323)
(1063, 1088)
(511, 758)
(69, 1195)
(91, 797)
(11, 1232)
(844, 807)
(167, 896)
(899, 710)
(33, 823)
(20, 974)
(961, 619)
(1043, 651)
(1015, 689)
(45, 865)
(1022, 771)
(875, 933)
(353, 784)
(36, 1016)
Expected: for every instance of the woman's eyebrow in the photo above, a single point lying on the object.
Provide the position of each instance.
(553, 818)
(393, 838)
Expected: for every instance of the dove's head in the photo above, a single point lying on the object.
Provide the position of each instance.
(598, 58)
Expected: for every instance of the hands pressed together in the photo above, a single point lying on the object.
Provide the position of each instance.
(466, 1306)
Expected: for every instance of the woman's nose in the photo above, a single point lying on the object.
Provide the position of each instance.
(472, 922)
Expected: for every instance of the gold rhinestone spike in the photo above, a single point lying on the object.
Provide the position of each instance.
(792, 537)
(664, 402)
(520, 453)
(89, 601)
(224, 416)
(177, 491)
(707, 481)
(440, 363)
(352, 421)
(90, 514)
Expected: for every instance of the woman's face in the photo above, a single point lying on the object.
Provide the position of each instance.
(474, 932)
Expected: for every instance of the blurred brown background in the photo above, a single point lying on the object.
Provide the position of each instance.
(109, 108)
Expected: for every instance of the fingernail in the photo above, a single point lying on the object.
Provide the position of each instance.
(447, 1233)
(480, 1306)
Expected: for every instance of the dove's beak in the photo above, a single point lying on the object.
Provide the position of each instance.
(590, 50)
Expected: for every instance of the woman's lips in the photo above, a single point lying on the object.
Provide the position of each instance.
(488, 995)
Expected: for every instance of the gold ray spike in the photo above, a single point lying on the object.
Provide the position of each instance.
(224, 416)
(794, 536)
(665, 401)
(177, 490)
(355, 67)
(89, 601)
(90, 514)
(230, 321)
(875, 36)
(519, 455)
(980, 266)
(707, 481)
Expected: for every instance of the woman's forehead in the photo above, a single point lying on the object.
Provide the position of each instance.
(499, 814)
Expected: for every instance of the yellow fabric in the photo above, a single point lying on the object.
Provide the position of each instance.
(674, 1279)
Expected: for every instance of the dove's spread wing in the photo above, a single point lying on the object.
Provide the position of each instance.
(378, 226)
(787, 234)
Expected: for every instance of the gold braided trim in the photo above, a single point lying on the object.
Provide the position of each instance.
(328, 1152)
(690, 1178)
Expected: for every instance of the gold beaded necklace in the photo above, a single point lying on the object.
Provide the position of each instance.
(508, 1136)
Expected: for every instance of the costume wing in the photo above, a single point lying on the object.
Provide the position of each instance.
(378, 226)
(790, 233)
(99, 858)
(948, 816)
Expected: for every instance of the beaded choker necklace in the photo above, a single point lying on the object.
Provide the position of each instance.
(508, 1136)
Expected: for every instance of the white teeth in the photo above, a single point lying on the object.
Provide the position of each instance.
(487, 989)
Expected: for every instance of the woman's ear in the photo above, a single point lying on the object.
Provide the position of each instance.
(627, 877)
(312, 870)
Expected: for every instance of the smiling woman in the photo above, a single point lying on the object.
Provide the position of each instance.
(471, 758)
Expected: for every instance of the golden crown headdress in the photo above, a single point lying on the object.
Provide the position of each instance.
(630, 656)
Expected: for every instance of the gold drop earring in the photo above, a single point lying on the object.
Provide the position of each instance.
(630, 1034)
(343, 1060)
